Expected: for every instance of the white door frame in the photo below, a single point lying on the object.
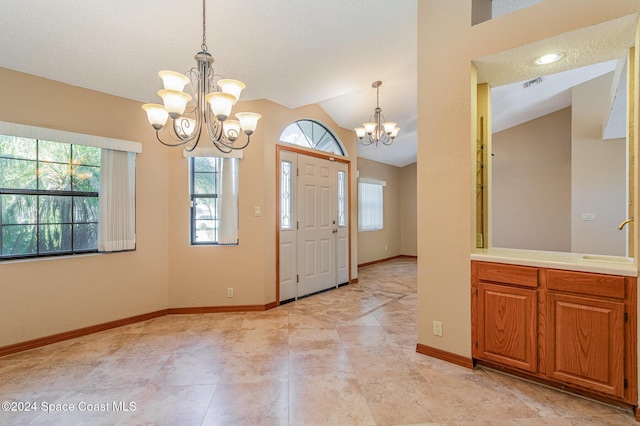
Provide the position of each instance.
(343, 237)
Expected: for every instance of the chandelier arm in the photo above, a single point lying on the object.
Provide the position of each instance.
(367, 141)
(238, 147)
(166, 143)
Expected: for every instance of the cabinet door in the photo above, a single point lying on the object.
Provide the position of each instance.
(586, 342)
(507, 325)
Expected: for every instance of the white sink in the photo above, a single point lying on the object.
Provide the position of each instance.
(603, 258)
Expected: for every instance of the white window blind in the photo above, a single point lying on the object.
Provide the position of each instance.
(117, 221)
(370, 205)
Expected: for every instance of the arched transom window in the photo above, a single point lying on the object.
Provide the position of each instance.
(311, 134)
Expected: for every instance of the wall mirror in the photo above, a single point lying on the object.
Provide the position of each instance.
(558, 165)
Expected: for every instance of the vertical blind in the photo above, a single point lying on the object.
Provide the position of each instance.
(370, 206)
(117, 221)
(229, 214)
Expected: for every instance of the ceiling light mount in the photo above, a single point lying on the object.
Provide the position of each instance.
(549, 58)
(377, 129)
(213, 98)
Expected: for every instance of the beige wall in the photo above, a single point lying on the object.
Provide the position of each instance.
(599, 174)
(200, 275)
(44, 297)
(385, 243)
(531, 184)
(446, 233)
(409, 210)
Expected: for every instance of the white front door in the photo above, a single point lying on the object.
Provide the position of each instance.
(316, 225)
(314, 232)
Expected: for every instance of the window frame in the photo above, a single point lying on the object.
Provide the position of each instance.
(37, 192)
(316, 136)
(193, 197)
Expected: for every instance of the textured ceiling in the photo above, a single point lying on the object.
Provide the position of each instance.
(588, 53)
(293, 52)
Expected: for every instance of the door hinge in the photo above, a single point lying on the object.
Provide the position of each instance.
(297, 278)
(476, 344)
(476, 292)
(626, 384)
(297, 172)
(297, 225)
(626, 317)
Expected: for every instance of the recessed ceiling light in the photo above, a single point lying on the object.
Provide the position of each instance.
(549, 58)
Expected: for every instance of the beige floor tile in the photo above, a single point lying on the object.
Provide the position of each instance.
(355, 337)
(328, 402)
(262, 403)
(341, 357)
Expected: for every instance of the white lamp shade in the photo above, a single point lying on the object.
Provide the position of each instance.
(232, 129)
(185, 126)
(389, 126)
(360, 132)
(156, 114)
(175, 102)
(248, 121)
(369, 127)
(394, 132)
(221, 104)
(172, 80)
(232, 87)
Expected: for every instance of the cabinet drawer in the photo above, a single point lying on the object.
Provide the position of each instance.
(508, 274)
(598, 285)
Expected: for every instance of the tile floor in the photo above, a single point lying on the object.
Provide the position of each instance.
(343, 357)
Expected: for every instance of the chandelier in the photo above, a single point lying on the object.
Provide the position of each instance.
(213, 98)
(377, 129)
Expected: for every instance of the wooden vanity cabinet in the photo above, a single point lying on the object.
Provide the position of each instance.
(576, 330)
(586, 333)
(507, 315)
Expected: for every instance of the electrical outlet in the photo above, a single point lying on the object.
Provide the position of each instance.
(230, 292)
(257, 211)
(437, 328)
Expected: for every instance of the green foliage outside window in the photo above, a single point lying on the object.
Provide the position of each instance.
(48, 197)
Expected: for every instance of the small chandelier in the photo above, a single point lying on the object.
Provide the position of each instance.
(377, 129)
(213, 99)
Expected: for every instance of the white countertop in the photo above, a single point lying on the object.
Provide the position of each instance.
(611, 265)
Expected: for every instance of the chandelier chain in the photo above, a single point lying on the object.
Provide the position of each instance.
(204, 26)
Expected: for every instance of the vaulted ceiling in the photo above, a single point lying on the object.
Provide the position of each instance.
(293, 52)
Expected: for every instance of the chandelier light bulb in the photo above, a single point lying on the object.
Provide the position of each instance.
(232, 129)
(360, 132)
(172, 80)
(185, 127)
(221, 104)
(389, 126)
(394, 132)
(369, 127)
(248, 121)
(156, 114)
(175, 102)
(233, 87)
